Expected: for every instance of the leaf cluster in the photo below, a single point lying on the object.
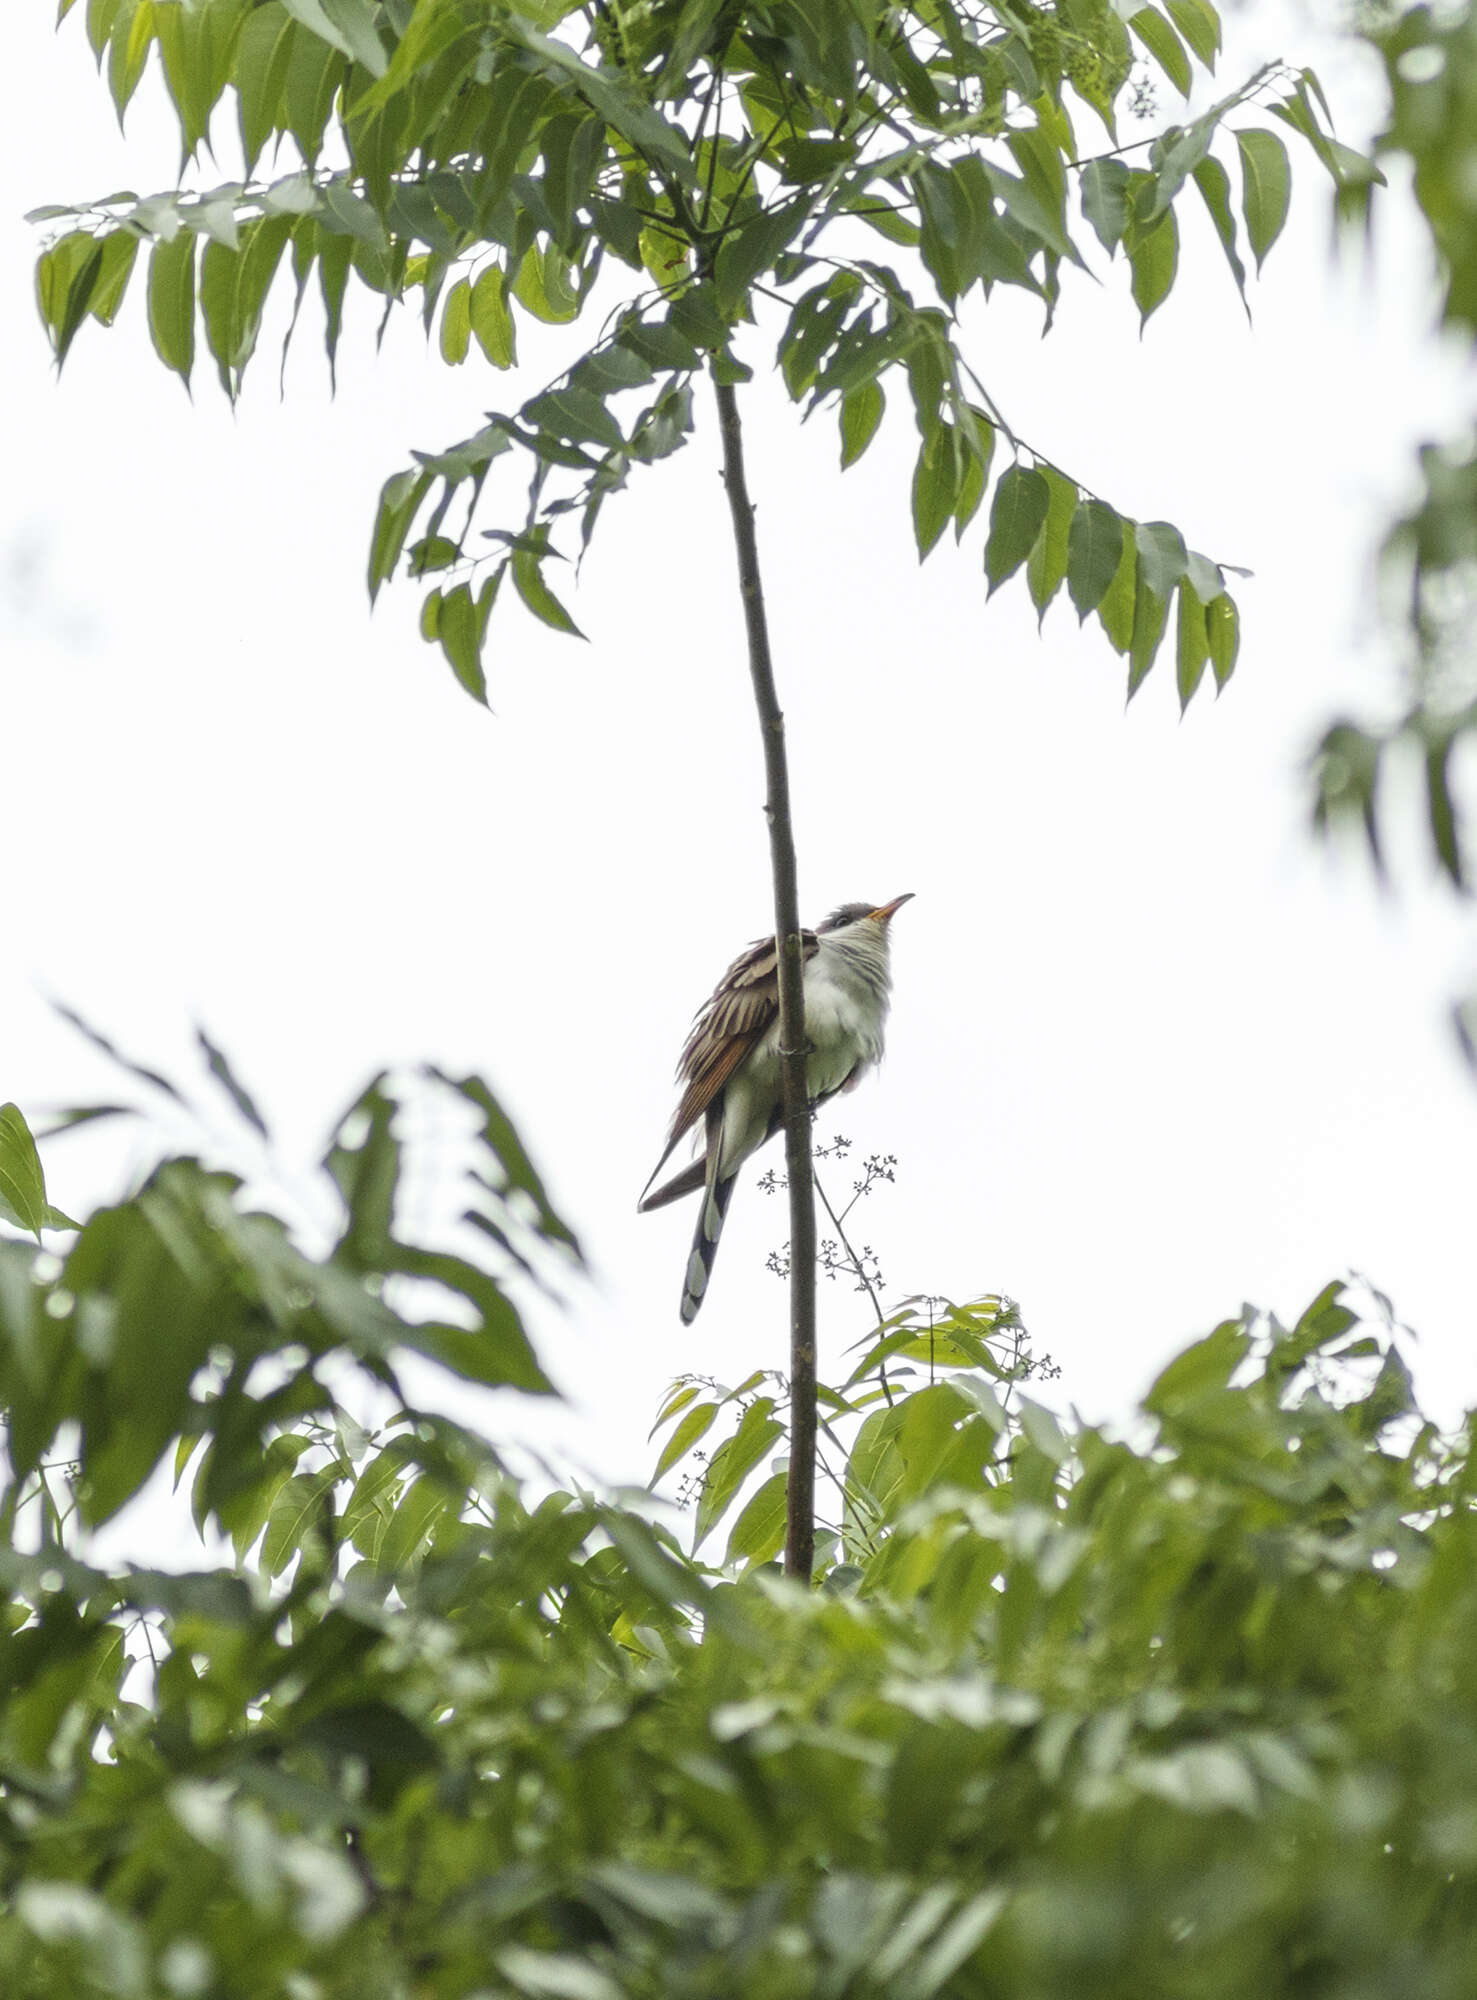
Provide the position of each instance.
(728, 159)
(1075, 1714)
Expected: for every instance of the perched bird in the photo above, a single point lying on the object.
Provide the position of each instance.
(730, 1065)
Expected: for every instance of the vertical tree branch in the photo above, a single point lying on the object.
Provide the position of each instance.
(800, 1499)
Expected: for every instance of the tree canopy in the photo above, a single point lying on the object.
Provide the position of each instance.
(847, 174)
(1185, 1710)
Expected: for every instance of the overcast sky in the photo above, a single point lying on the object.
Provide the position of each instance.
(1152, 1052)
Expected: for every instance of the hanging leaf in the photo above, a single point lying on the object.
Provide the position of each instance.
(1266, 188)
(1020, 506)
(1094, 549)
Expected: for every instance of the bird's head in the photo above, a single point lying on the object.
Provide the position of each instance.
(856, 913)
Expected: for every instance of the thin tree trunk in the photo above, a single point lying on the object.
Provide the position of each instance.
(800, 1500)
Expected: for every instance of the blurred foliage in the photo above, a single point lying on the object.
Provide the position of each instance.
(859, 167)
(1430, 59)
(1184, 1711)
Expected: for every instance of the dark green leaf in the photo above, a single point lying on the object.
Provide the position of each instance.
(459, 631)
(1094, 549)
(400, 500)
(528, 579)
(1020, 507)
(1047, 568)
(861, 413)
(935, 483)
(1116, 611)
(1105, 200)
(1200, 25)
(226, 1077)
(1215, 190)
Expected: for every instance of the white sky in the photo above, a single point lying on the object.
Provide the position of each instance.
(1151, 1051)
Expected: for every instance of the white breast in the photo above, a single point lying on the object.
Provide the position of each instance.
(844, 1019)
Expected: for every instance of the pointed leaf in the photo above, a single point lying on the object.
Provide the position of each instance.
(1047, 569)
(1020, 507)
(225, 1076)
(1154, 256)
(22, 1182)
(1223, 636)
(1150, 615)
(1214, 184)
(695, 1425)
(528, 579)
(1266, 188)
(1200, 25)
(1164, 45)
(1094, 549)
(759, 1532)
(861, 413)
(1191, 645)
(1105, 200)
(1115, 613)
(172, 303)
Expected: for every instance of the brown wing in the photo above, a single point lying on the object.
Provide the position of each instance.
(743, 1005)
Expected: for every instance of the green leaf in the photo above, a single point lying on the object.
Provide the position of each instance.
(861, 413)
(259, 71)
(1105, 200)
(1022, 499)
(542, 285)
(935, 482)
(456, 324)
(1150, 616)
(1154, 256)
(346, 25)
(172, 303)
(132, 35)
(1191, 645)
(1200, 25)
(1223, 636)
(65, 279)
(226, 1077)
(732, 1463)
(1214, 184)
(1094, 550)
(1164, 45)
(22, 1182)
(400, 500)
(491, 320)
(1047, 568)
(1163, 558)
(1266, 188)
(759, 1532)
(1115, 612)
(694, 1425)
(528, 579)
(576, 415)
(459, 630)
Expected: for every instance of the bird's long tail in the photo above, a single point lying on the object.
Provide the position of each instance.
(716, 1197)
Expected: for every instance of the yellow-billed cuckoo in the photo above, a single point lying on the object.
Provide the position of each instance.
(730, 1066)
